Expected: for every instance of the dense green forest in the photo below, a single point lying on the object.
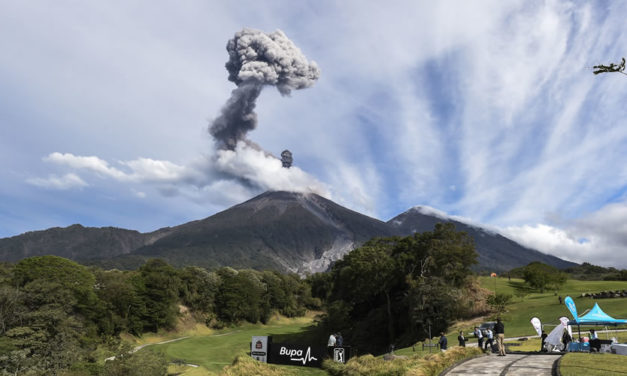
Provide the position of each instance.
(58, 317)
(395, 291)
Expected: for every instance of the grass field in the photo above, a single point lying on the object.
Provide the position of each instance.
(212, 350)
(211, 353)
(584, 364)
(546, 306)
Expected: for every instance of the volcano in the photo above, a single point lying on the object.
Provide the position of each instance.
(284, 231)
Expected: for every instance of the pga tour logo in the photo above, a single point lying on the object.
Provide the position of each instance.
(338, 355)
(296, 355)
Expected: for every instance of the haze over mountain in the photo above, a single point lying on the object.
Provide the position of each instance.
(285, 231)
(496, 252)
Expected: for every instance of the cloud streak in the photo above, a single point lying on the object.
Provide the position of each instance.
(492, 98)
(65, 182)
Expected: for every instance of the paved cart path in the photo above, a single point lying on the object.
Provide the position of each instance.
(511, 364)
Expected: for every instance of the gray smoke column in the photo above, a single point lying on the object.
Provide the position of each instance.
(257, 59)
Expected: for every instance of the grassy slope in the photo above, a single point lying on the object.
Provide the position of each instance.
(213, 352)
(584, 364)
(546, 306)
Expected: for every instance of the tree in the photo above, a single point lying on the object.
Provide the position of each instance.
(366, 273)
(10, 309)
(121, 306)
(198, 289)
(398, 285)
(135, 363)
(541, 276)
(157, 284)
(240, 297)
(499, 302)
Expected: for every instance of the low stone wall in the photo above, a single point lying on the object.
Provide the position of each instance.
(605, 294)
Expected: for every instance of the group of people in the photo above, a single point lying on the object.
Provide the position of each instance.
(595, 342)
(499, 330)
(486, 340)
(335, 340)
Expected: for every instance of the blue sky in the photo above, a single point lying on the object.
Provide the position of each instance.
(484, 110)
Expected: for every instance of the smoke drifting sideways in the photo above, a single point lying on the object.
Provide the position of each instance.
(256, 60)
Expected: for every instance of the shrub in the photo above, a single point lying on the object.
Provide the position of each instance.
(417, 365)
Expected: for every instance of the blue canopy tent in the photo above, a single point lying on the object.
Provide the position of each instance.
(594, 317)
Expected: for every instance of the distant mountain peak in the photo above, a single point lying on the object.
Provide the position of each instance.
(286, 231)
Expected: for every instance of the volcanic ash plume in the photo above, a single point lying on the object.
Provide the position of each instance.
(257, 59)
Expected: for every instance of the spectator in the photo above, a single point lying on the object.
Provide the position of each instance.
(443, 342)
(543, 337)
(499, 328)
(479, 336)
(489, 340)
(339, 340)
(595, 342)
(331, 344)
(461, 339)
(566, 339)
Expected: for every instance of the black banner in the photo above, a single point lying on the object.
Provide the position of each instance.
(296, 355)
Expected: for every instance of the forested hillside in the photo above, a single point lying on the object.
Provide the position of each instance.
(59, 317)
(396, 291)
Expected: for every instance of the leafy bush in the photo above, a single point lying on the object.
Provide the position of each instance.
(244, 365)
(416, 365)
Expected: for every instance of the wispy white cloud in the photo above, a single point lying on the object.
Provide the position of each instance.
(67, 181)
(599, 238)
(493, 98)
(138, 170)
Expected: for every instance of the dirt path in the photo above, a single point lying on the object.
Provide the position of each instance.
(137, 348)
(511, 364)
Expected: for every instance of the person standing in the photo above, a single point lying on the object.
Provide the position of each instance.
(499, 328)
(489, 336)
(566, 339)
(479, 336)
(543, 337)
(331, 344)
(595, 342)
(339, 340)
(443, 342)
(461, 339)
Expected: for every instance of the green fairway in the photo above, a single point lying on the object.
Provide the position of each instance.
(546, 306)
(586, 364)
(213, 352)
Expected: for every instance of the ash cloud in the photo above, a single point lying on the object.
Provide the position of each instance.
(256, 60)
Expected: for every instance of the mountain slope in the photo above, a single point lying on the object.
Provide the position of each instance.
(496, 252)
(279, 230)
(73, 242)
(276, 230)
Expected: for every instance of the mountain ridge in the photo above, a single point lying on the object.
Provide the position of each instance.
(286, 231)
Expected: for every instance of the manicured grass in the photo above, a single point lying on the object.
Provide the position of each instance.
(593, 364)
(429, 365)
(546, 306)
(533, 344)
(213, 352)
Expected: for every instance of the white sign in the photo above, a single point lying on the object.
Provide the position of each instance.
(259, 348)
(339, 355)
